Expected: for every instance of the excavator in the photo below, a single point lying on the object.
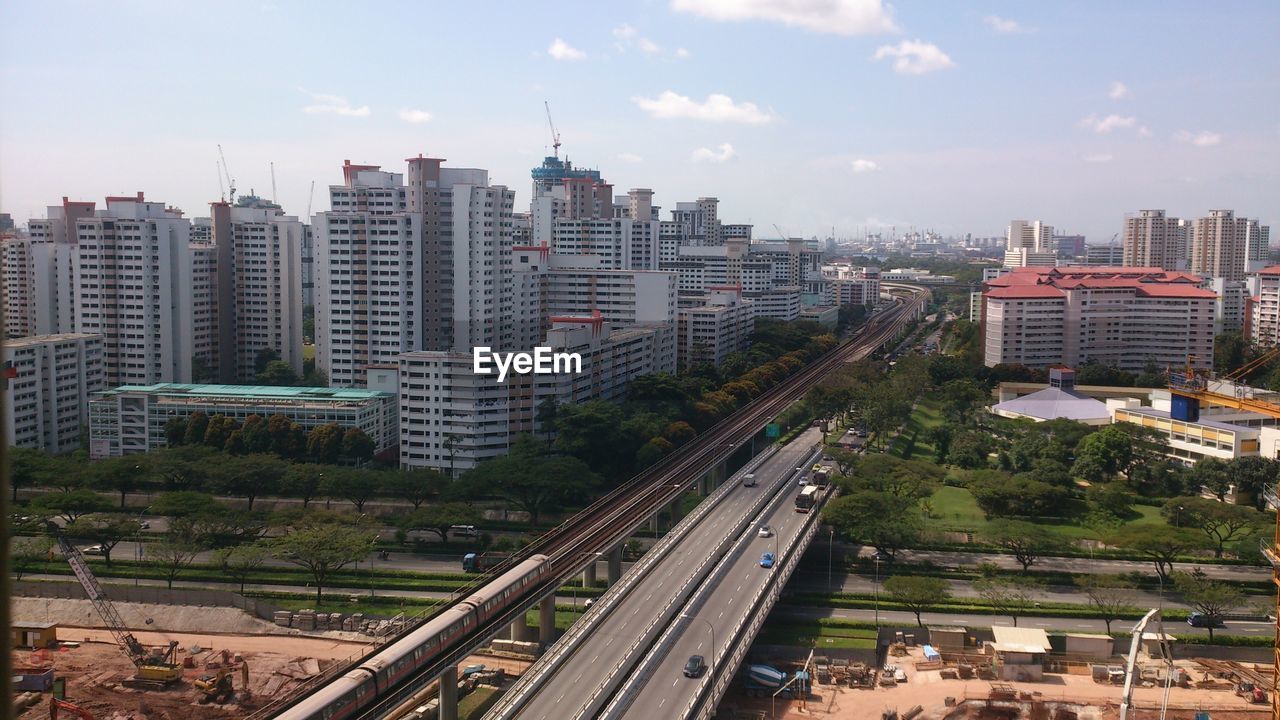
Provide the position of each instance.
(157, 667)
(217, 687)
(56, 705)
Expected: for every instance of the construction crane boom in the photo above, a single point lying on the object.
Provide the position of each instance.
(311, 197)
(273, 183)
(231, 183)
(780, 233)
(555, 136)
(1132, 662)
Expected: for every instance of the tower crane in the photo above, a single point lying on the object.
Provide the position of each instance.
(231, 183)
(157, 667)
(311, 197)
(780, 233)
(555, 136)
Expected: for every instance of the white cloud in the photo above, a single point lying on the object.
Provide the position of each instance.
(1107, 124)
(333, 105)
(1003, 25)
(1204, 138)
(1098, 158)
(648, 46)
(914, 57)
(839, 17)
(561, 50)
(723, 153)
(630, 157)
(624, 32)
(682, 53)
(1144, 132)
(626, 37)
(1119, 91)
(861, 165)
(414, 116)
(716, 108)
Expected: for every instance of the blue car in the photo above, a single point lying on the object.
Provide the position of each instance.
(766, 560)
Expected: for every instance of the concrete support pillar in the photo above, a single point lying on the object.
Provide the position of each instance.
(589, 574)
(449, 693)
(547, 620)
(704, 485)
(520, 628)
(615, 565)
(675, 508)
(653, 524)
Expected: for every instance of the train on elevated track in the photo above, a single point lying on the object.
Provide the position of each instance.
(360, 688)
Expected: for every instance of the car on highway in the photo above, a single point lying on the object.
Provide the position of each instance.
(765, 531)
(694, 667)
(749, 480)
(1199, 619)
(766, 560)
(93, 550)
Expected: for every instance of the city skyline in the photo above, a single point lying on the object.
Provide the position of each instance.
(954, 121)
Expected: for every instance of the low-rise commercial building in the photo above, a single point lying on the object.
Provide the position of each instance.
(47, 383)
(131, 418)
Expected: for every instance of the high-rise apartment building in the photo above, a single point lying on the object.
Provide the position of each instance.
(1123, 317)
(1035, 236)
(700, 220)
(1226, 246)
(16, 272)
(1264, 309)
(710, 331)
(48, 379)
(1152, 239)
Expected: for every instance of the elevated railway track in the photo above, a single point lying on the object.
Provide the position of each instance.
(385, 678)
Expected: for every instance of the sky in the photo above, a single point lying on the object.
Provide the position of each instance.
(807, 115)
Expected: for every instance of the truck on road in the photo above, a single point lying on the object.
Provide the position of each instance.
(482, 562)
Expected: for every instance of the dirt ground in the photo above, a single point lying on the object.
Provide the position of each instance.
(1078, 693)
(277, 665)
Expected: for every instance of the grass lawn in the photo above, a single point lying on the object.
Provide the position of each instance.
(308, 352)
(477, 702)
(926, 416)
(955, 509)
(816, 636)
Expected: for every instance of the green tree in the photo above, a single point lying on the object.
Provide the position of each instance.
(969, 449)
(353, 485)
(1214, 476)
(1107, 452)
(197, 426)
(1160, 544)
(172, 554)
(183, 503)
(29, 467)
(1111, 596)
(534, 482)
(123, 475)
(264, 357)
(240, 562)
(1000, 495)
(250, 477)
(302, 481)
(175, 431)
(324, 443)
(105, 530)
(69, 506)
(917, 594)
(1027, 541)
(277, 372)
(415, 486)
(324, 548)
(219, 429)
(288, 439)
(1211, 598)
(1229, 350)
(1013, 596)
(357, 446)
(886, 522)
(439, 518)
(1221, 522)
(1252, 474)
(27, 554)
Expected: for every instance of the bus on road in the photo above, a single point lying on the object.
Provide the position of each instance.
(807, 498)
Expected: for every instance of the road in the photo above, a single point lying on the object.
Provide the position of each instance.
(601, 653)
(906, 619)
(666, 692)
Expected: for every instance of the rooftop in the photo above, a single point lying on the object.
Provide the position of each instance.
(1016, 639)
(247, 392)
(1052, 403)
(41, 339)
(1165, 415)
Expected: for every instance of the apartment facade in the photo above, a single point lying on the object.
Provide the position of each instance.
(711, 331)
(131, 418)
(1123, 317)
(1152, 239)
(46, 387)
(1223, 245)
(1264, 308)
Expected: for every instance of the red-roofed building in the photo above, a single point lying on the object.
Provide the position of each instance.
(1120, 316)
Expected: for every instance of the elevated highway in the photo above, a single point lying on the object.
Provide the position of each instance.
(596, 532)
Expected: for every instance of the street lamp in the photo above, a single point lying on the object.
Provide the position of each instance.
(876, 558)
(831, 536)
(137, 546)
(711, 666)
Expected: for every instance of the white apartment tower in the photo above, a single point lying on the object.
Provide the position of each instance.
(701, 220)
(1152, 239)
(48, 380)
(1035, 236)
(17, 273)
(1226, 246)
